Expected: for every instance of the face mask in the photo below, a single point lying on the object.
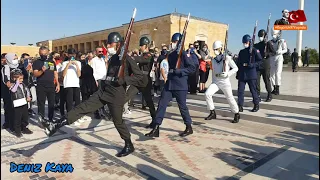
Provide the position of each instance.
(204, 49)
(111, 51)
(274, 36)
(216, 52)
(15, 61)
(245, 45)
(196, 46)
(43, 57)
(164, 52)
(261, 38)
(173, 45)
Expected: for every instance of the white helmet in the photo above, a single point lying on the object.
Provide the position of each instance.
(276, 32)
(217, 45)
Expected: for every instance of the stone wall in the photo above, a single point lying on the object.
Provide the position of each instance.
(158, 29)
(31, 50)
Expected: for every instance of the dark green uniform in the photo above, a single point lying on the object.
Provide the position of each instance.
(145, 63)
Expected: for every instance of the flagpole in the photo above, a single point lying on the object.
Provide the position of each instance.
(299, 36)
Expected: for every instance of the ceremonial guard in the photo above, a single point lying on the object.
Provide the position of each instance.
(220, 80)
(247, 64)
(277, 49)
(145, 61)
(176, 86)
(111, 93)
(264, 68)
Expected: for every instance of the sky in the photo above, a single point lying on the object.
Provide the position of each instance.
(31, 21)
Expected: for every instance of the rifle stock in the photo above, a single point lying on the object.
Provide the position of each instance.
(252, 41)
(123, 50)
(180, 44)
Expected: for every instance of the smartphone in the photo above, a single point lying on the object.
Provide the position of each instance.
(26, 63)
(46, 65)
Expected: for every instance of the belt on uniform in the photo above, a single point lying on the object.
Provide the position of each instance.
(145, 72)
(109, 78)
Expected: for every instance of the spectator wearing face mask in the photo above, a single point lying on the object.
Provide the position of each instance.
(204, 67)
(20, 96)
(3, 62)
(87, 81)
(44, 69)
(61, 94)
(26, 68)
(193, 78)
(99, 72)
(12, 64)
(71, 71)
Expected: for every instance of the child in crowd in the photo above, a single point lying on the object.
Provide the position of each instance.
(20, 95)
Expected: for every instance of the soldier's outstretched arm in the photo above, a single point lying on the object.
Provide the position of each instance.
(137, 73)
(233, 65)
(282, 48)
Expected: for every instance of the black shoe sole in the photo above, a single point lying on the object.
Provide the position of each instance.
(123, 155)
(185, 134)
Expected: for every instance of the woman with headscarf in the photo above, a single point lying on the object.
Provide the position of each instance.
(12, 63)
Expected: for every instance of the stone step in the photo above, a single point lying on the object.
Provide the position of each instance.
(302, 69)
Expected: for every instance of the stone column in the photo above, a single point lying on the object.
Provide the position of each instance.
(299, 36)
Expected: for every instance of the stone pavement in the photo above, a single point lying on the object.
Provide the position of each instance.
(293, 83)
(281, 141)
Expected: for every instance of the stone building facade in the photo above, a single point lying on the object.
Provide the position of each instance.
(157, 29)
(33, 51)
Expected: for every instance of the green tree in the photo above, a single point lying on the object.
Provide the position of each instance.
(287, 57)
(314, 56)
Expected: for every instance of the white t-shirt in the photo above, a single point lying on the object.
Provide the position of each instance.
(164, 65)
(71, 79)
(99, 68)
(59, 70)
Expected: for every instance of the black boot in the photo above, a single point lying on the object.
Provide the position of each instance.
(255, 108)
(240, 108)
(151, 125)
(44, 122)
(51, 128)
(274, 90)
(154, 132)
(269, 97)
(236, 118)
(277, 90)
(187, 131)
(127, 149)
(212, 115)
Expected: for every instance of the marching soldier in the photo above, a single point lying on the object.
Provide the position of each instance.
(112, 93)
(220, 80)
(264, 68)
(145, 63)
(176, 86)
(278, 48)
(247, 72)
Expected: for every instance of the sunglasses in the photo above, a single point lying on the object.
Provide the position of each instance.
(100, 51)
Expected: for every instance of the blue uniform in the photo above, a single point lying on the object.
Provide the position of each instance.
(248, 73)
(177, 86)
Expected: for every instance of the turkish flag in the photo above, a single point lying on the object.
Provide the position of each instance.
(297, 16)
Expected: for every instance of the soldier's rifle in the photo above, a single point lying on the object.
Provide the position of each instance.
(125, 45)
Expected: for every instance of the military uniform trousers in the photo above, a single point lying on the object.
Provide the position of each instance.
(111, 96)
(166, 97)
(265, 73)
(253, 89)
(146, 94)
(225, 86)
